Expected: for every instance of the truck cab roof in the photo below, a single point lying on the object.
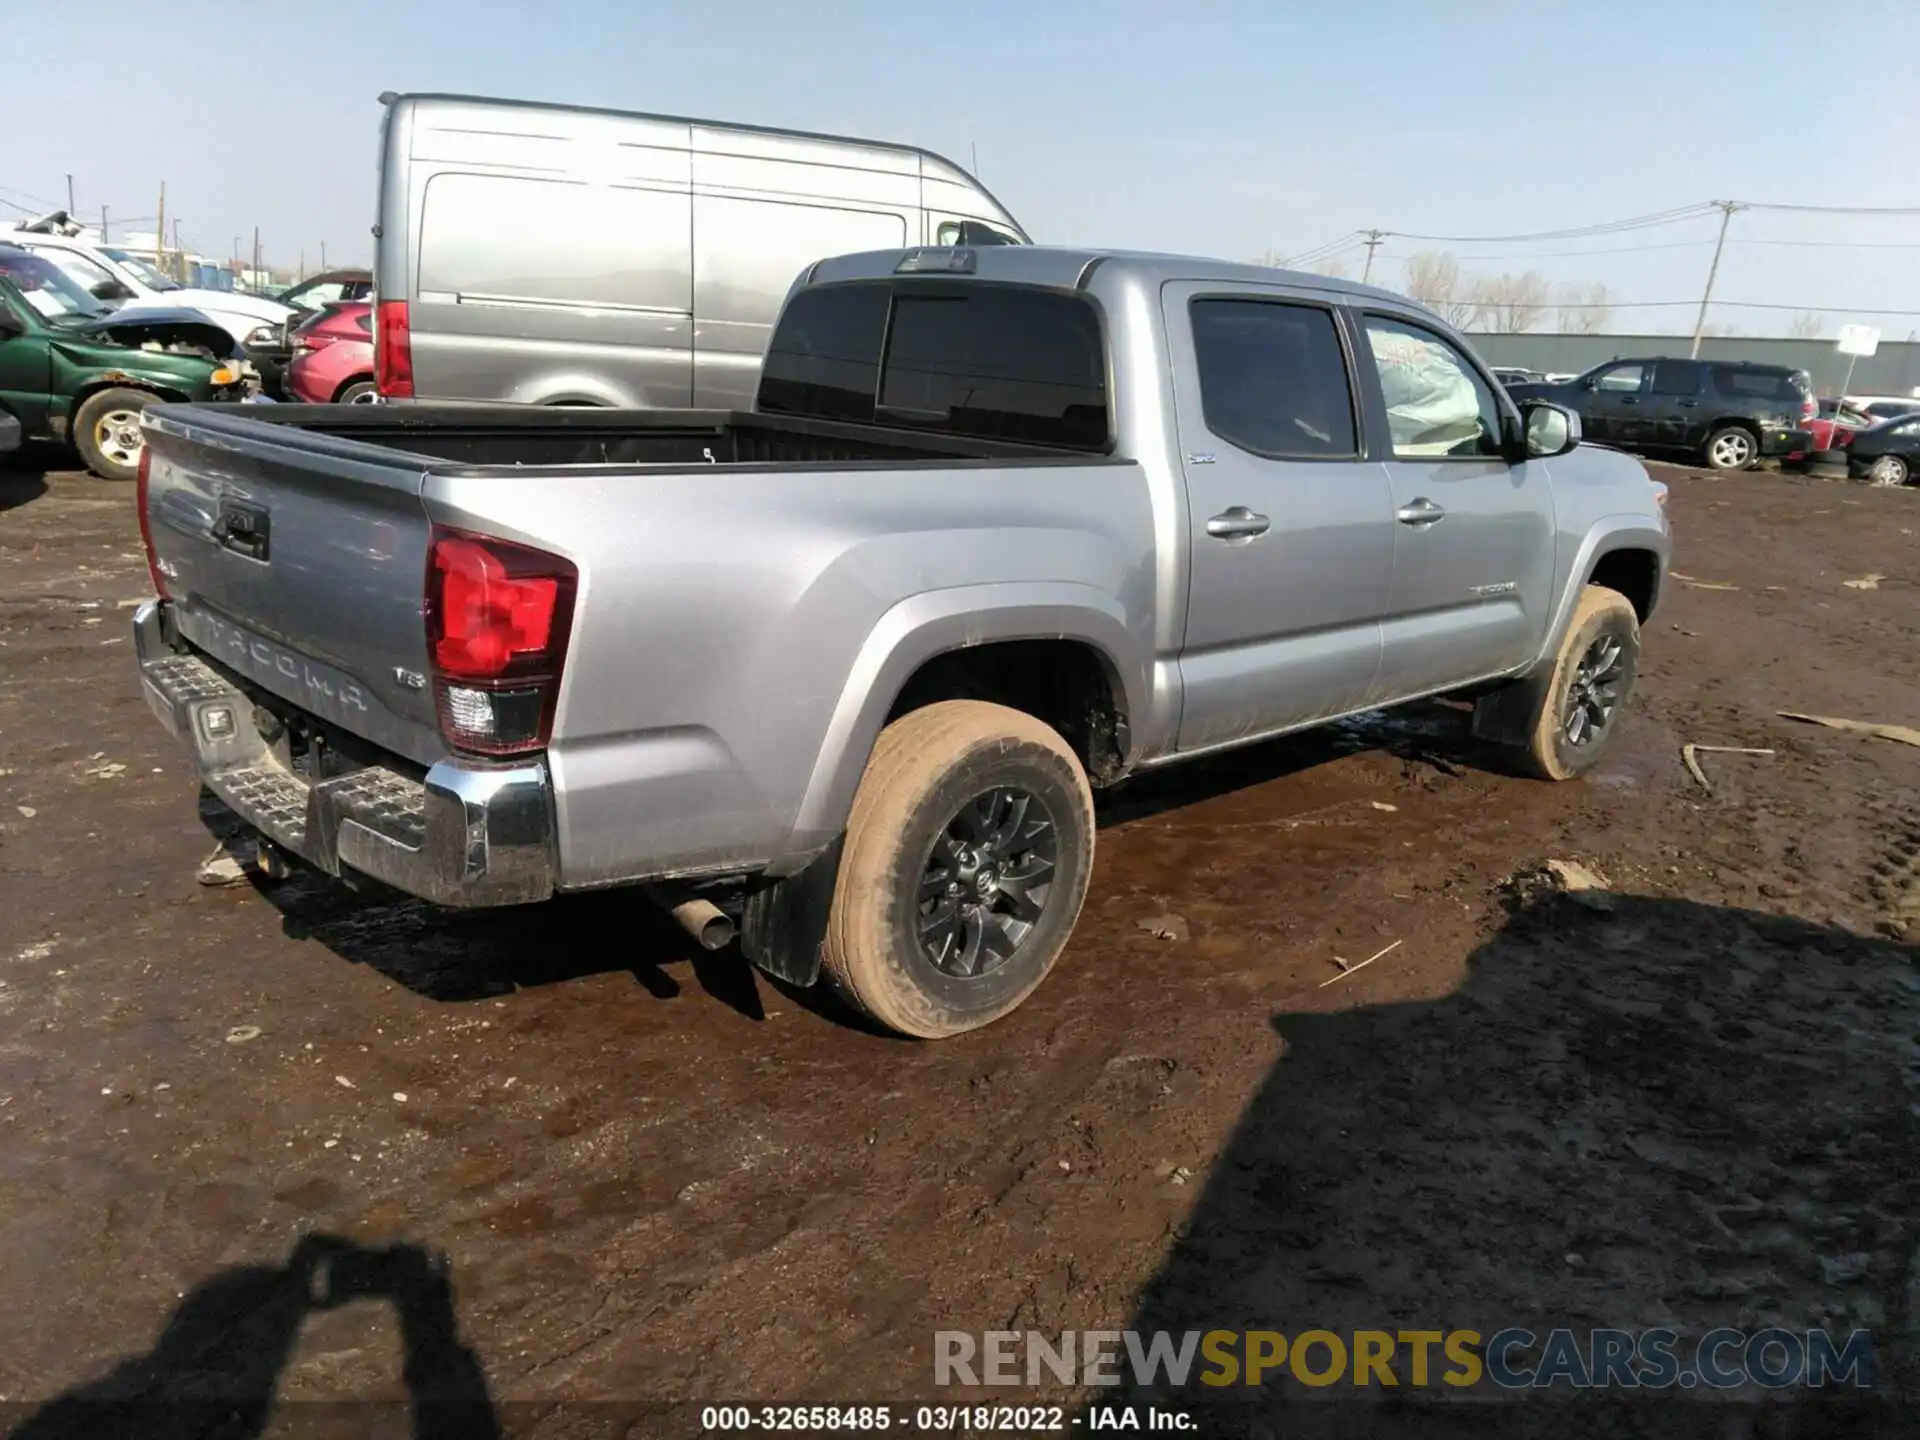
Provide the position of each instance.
(1071, 268)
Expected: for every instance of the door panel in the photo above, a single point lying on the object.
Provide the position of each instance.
(1290, 540)
(1473, 535)
(548, 290)
(26, 375)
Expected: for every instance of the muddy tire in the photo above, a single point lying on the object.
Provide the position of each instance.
(1731, 447)
(1579, 709)
(106, 432)
(966, 862)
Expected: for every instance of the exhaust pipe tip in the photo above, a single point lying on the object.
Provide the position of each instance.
(705, 921)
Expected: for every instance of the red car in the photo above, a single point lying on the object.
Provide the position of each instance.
(333, 356)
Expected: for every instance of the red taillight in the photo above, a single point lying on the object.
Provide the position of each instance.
(146, 525)
(392, 351)
(498, 617)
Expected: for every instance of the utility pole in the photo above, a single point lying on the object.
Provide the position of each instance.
(256, 253)
(1374, 237)
(1727, 207)
(179, 251)
(69, 195)
(160, 235)
(323, 257)
(103, 225)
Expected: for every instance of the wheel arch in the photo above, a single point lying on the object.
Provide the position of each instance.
(1052, 637)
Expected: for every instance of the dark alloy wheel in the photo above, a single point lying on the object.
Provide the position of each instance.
(1594, 692)
(986, 882)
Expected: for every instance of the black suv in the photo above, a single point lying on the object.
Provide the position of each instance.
(1727, 413)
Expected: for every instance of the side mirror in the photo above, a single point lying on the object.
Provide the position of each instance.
(111, 289)
(1550, 429)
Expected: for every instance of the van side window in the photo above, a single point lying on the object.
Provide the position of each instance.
(1438, 407)
(824, 358)
(1273, 379)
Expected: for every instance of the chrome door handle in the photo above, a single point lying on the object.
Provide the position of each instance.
(1237, 523)
(1421, 511)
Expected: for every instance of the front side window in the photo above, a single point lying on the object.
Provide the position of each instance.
(1621, 380)
(1438, 407)
(1273, 378)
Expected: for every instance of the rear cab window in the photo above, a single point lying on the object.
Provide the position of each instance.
(994, 362)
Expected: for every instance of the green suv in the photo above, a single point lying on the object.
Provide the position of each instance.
(73, 370)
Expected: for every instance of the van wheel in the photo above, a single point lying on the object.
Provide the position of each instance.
(1579, 709)
(106, 432)
(966, 863)
(1731, 447)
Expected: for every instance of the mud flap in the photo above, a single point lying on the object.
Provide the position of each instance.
(1506, 716)
(783, 925)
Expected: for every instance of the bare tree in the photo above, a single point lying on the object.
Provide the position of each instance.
(1508, 304)
(1806, 326)
(1585, 309)
(1332, 269)
(1435, 280)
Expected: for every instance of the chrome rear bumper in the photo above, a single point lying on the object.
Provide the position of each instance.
(469, 835)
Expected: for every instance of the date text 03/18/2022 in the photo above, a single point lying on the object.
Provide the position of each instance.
(936, 1419)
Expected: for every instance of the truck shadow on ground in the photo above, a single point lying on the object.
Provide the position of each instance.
(1637, 1112)
(462, 956)
(23, 475)
(216, 1366)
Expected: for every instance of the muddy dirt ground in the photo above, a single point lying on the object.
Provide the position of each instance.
(654, 1176)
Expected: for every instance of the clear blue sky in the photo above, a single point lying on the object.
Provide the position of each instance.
(1217, 129)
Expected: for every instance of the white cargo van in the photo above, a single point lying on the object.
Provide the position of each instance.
(560, 256)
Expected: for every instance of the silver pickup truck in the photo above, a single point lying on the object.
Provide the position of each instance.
(838, 673)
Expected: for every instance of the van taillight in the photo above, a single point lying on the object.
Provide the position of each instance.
(498, 618)
(392, 351)
(146, 525)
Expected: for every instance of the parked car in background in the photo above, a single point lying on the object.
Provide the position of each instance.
(329, 285)
(123, 279)
(561, 256)
(1725, 413)
(1836, 424)
(333, 356)
(1887, 453)
(307, 298)
(74, 370)
(1885, 407)
(1006, 523)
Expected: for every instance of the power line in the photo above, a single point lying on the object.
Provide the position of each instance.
(1578, 232)
(1615, 250)
(1838, 209)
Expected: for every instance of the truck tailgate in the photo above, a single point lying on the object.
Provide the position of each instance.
(297, 561)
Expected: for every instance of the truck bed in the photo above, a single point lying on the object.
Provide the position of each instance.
(540, 436)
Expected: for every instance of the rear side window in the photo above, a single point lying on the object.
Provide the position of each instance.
(1273, 378)
(1676, 377)
(1756, 384)
(996, 362)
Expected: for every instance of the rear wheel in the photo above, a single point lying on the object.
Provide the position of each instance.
(357, 392)
(106, 432)
(966, 862)
(1731, 447)
(1889, 470)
